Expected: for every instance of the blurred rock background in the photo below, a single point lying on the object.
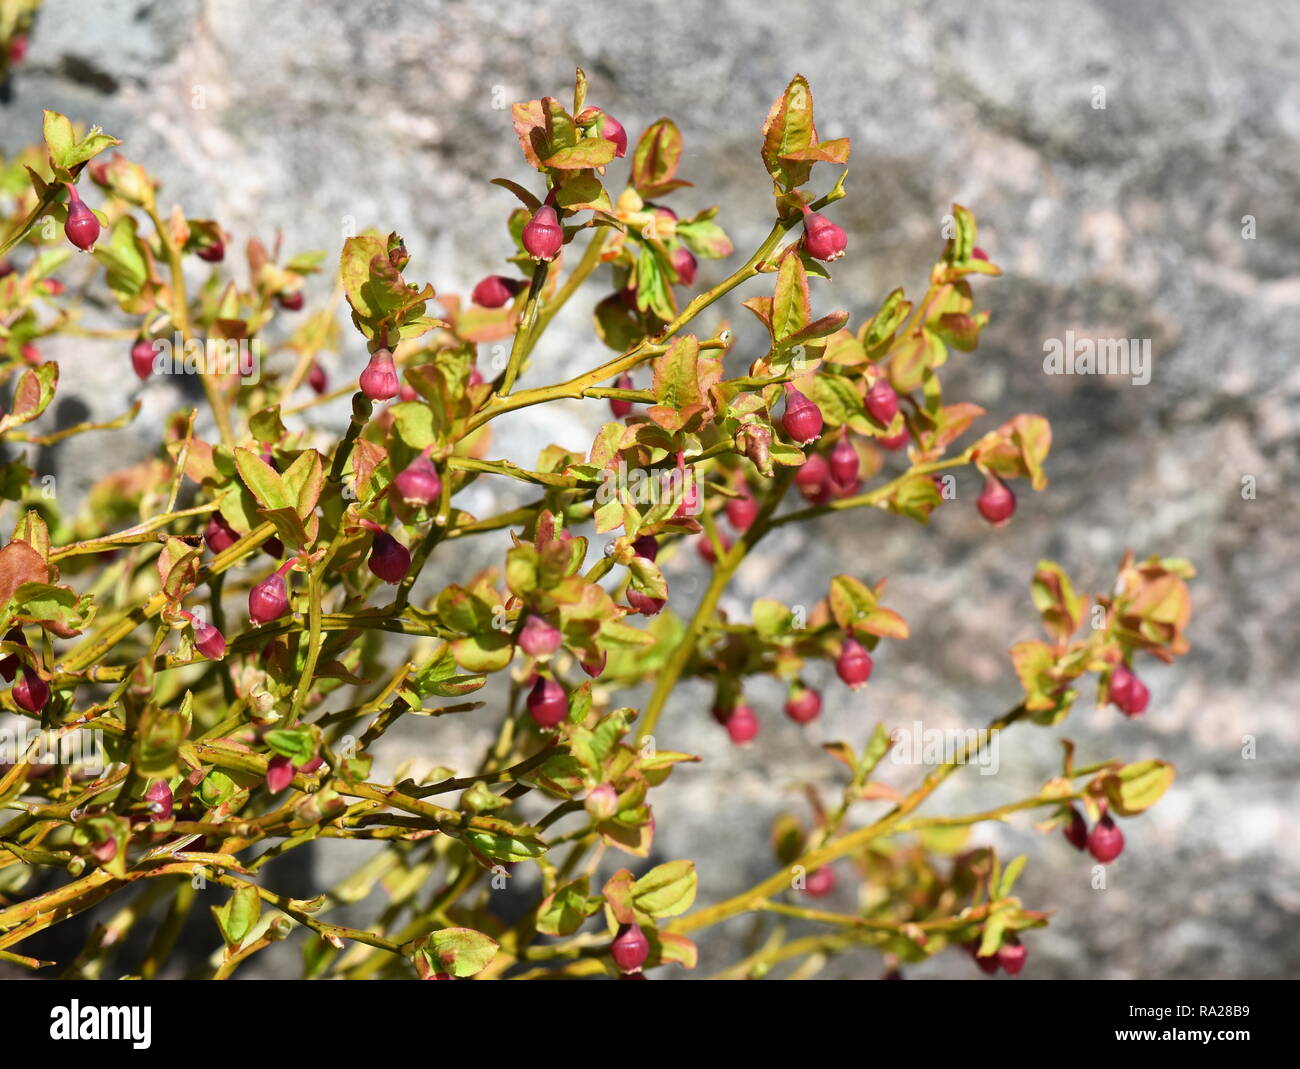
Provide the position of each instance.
(1122, 221)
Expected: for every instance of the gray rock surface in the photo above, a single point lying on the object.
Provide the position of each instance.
(1125, 221)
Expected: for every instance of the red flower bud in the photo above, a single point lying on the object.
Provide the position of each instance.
(269, 599)
(158, 795)
(279, 773)
(742, 725)
(802, 421)
(31, 692)
(1106, 842)
(895, 441)
(1076, 830)
(741, 511)
(845, 463)
(1011, 956)
(291, 301)
(31, 354)
(820, 882)
(418, 483)
(475, 376)
(1128, 692)
(644, 603)
(547, 703)
(379, 380)
(685, 265)
(854, 663)
(594, 667)
(645, 546)
(389, 559)
(803, 705)
(612, 130)
(219, 535)
(978, 254)
(10, 662)
(142, 355)
(537, 638)
(213, 252)
(317, 380)
(996, 501)
(496, 291)
(822, 239)
(543, 236)
(814, 479)
(82, 227)
(601, 802)
(207, 639)
(882, 402)
(629, 948)
(620, 409)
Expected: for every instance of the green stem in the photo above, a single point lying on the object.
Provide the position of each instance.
(527, 319)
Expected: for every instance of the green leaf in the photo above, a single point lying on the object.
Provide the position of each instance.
(655, 160)
(238, 916)
(303, 480)
(32, 395)
(59, 137)
(912, 356)
(522, 570)
(839, 402)
(791, 303)
(706, 239)
(505, 847)
(126, 265)
(666, 890)
(788, 129)
(883, 623)
(440, 676)
(962, 243)
(875, 751)
(994, 928)
(59, 607)
(459, 951)
(851, 601)
(682, 379)
(32, 529)
(266, 425)
(583, 192)
(1054, 597)
(159, 734)
(1009, 876)
(563, 911)
(297, 744)
(772, 620)
(1138, 786)
(588, 153)
(893, 312)
(263, 482)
